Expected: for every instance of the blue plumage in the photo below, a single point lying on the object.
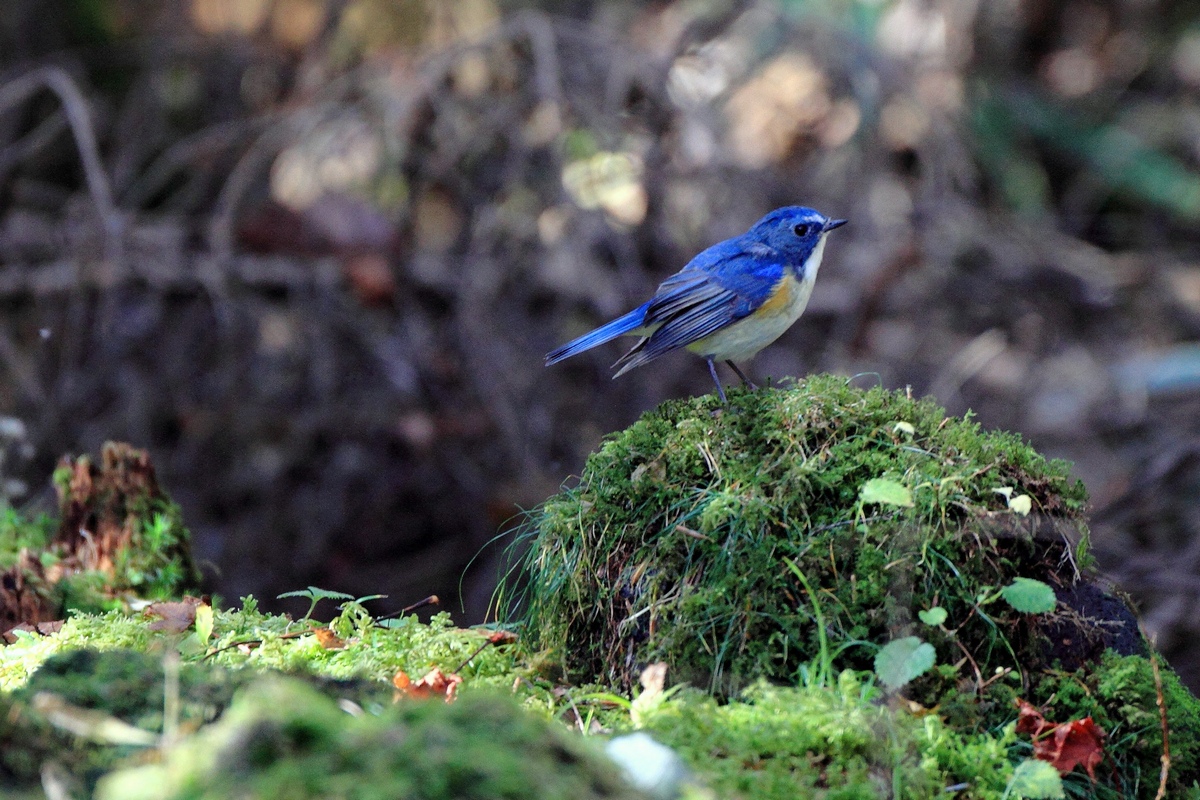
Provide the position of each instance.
(730, 301)
(605, 333)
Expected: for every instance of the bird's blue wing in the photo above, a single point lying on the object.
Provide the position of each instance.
(714, 291)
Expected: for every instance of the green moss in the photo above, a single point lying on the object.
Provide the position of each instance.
(675, 546)
(1121, 696)
(672, 545)
(835, 742)
(119, 671)
(281, 739)
(124, 684)
(158, 563)
(371, 652)
(142, 546)
(21, 532)
(118, 538)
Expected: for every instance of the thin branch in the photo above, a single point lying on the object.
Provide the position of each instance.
(1162, 715)
(79, 118)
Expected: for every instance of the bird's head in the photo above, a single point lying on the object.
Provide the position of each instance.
(793, 231)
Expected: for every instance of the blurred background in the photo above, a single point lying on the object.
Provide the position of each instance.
(310, 253)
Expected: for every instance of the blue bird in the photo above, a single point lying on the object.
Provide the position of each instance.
(730, 301)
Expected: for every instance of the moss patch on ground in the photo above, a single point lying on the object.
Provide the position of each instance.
(840, 741)
(282, 739)
(113, 665)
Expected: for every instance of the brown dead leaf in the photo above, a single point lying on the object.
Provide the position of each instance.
(23, 598)
(1030, 720)
(44, 628)
(502, 637)
(328, 639)
(1064, 745)
(1074, 743)
(435, 684)
(174, 616)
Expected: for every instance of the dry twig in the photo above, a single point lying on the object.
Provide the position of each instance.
(1162, 714)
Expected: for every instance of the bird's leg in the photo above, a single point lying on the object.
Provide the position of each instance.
(712, 370)
(745, 381)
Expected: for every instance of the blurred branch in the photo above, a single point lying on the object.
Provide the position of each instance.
(42, 135)
(179, 155)
(74, 104)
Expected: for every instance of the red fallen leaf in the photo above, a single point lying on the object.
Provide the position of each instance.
(435, 683)
(1079, 741)
(175, 616)
(1065, 745)
(328, 639)
(502, 637)
(1030, 720)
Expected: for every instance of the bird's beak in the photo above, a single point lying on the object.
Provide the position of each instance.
(834, 223)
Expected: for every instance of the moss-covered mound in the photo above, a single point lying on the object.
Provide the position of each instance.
(674, 545)
(118, 536)
(717, 537)
(283, 739)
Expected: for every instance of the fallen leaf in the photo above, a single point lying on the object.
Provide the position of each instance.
(175, 616)
(44, 628)
(204, 622)
(496, 637)
(1064, 745)
(1074, 743)
(435, 683)
(1030, 720)
(1036, 780)
(328, 639)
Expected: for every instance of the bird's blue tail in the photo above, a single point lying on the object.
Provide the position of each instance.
(607, 332)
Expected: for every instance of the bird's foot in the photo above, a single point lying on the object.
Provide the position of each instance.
(745, 381)
(712, 370)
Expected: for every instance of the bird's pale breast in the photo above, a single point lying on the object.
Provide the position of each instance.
(744, 338)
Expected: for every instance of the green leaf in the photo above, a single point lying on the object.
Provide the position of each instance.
(1029, 596)
(885, 492)
(899, 662)
(904, 427)
(204, 622)
(934, 616)
(316, 593)
(1035, 780)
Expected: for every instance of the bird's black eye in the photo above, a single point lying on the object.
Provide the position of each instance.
(802, 229)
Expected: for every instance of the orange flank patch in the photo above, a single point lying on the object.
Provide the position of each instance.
(782, 296)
